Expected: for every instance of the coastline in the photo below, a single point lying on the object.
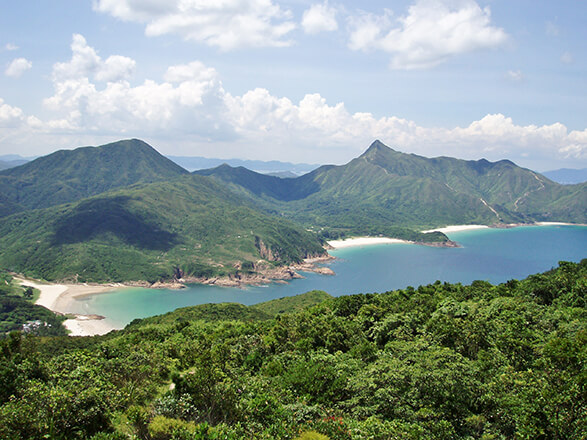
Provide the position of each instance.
(456, 228)
(58, 298)
(367, 241)
(364, 241)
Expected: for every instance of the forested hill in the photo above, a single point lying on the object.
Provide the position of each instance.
(187, 227)
(69, 175)
(385, 187)
(443, 361)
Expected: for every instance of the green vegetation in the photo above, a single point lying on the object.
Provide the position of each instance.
(190, 226)
(17, 311)
(122, 212)
(443, 361)
(292, 303)
(395, 194)
(66, 176)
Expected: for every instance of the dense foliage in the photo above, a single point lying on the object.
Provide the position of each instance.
(17, 311)
(443, 361)
(190, 226)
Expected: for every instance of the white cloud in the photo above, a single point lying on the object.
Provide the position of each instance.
(319, 18)
(10, 47)
(85, 62)
(432, 32)
(17, 67)
(186, 102)
(189, 107)
(10, 116)
(226, 24)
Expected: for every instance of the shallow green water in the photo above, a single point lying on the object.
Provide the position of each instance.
(495, 255)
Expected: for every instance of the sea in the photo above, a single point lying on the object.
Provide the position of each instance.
(494, 255)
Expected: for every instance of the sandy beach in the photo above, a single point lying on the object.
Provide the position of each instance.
(456, 228)
(59, 297)
(363, 241)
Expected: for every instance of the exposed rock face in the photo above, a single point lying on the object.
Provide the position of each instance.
(264, 251)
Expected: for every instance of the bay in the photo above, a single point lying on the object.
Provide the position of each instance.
(494, 255)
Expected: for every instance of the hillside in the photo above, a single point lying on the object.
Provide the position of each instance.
(442, 361)
(69, 175)
(187, 227)
(383, 190)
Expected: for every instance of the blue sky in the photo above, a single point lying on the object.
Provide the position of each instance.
(298, 80)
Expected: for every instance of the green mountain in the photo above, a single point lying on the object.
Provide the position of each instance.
(383, 190)
(69, 175)
(189, 226)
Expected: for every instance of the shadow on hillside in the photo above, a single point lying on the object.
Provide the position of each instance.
(108, 218)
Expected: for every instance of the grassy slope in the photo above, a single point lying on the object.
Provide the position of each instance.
(66, 176)
(148, 232)
(383, 189)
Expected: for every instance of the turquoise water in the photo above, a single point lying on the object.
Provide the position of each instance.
(494, 255)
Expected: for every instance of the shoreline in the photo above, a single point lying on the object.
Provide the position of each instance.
(364, 241)
(367, 241)
(456, 228)
(58, 298)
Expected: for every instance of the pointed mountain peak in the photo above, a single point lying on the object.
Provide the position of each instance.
(375, 149)
(377, 146)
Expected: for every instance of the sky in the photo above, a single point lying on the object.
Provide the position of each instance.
(298, 80)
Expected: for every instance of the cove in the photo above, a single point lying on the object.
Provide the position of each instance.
(494, 255)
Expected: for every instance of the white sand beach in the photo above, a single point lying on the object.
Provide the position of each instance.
(87, 326)
(363, 241)
(58, 298)
(456, 228)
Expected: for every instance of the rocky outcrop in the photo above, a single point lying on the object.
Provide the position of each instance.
(265, 251)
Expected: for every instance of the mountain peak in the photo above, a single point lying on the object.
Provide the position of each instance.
(377, 147)
(69, 175)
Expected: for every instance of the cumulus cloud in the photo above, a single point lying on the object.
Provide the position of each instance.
(226, 24)
(432, 32)
(319, 18)
(260, 117)
(187, 101)
(17, 67)
(10, 116)
(190, 107)
(85, 62)
(10, 47)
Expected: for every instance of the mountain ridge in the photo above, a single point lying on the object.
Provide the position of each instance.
(69, 175)
(411, 190)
